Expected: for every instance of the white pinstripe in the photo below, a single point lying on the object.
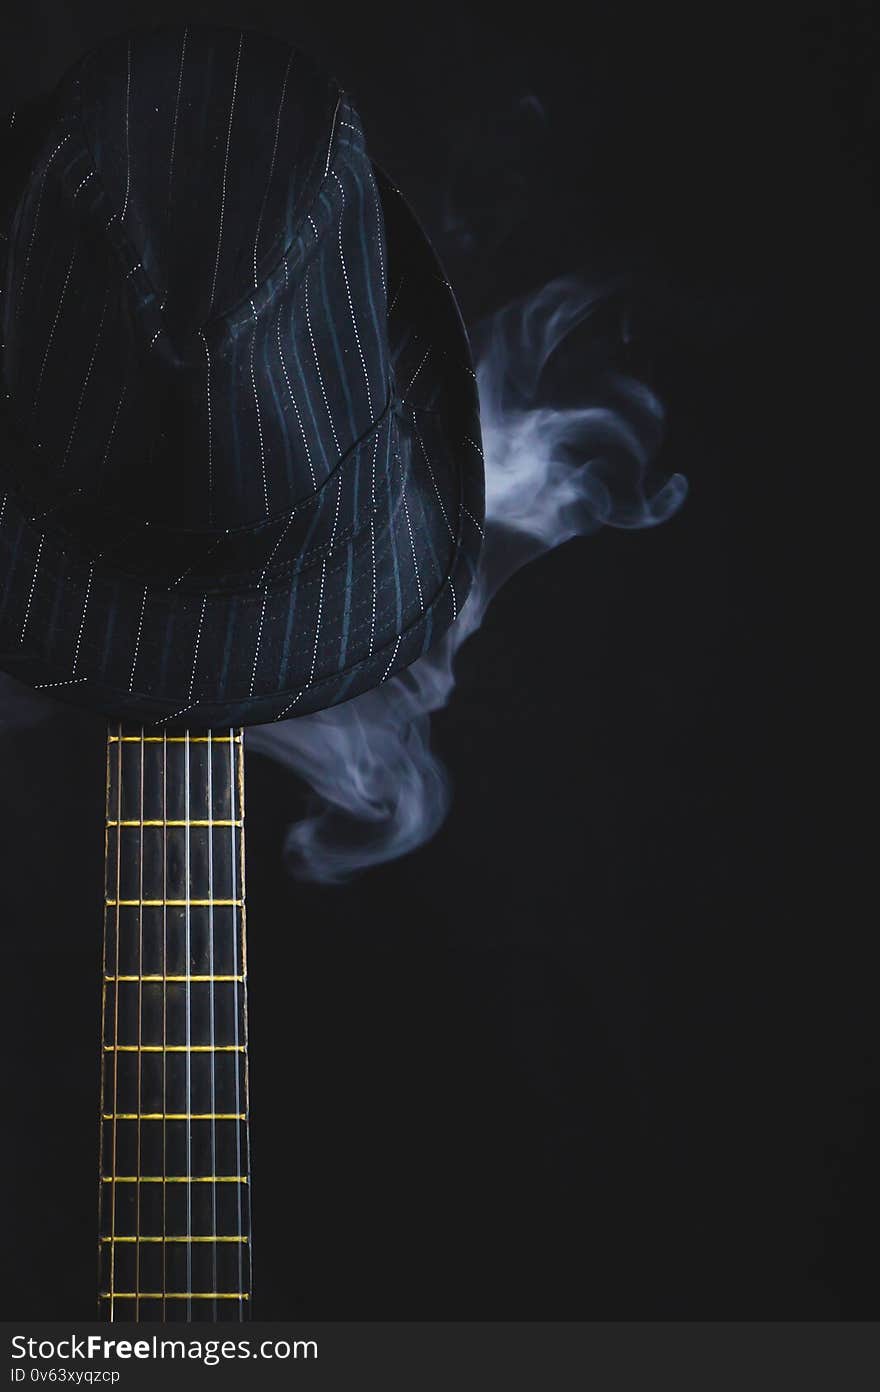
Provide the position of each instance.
(351, 302)
(190, 568)
(54, 326)
(373, 546)
(318, 625)
(417, 371)
(82, 183)
(27, 256)
(373, 483)
(379, 225)
(272, 165)
(259, 641)
(259, 416)
(47, 512)
(317, 364)
(176, 111)
(412, 543)
(183, 710)
(281, 714)
(293, 398)
(27, 612)
(393, 303)
(373, 553)
(336, 513)
(226, 170)
(281, 535)
(137, 641)
(332, 133)
(113, 426)
(433, 479)
(82, 622)
(210, 431)
(192, 675)
(86, 381)
(127, 133)
(393, 658)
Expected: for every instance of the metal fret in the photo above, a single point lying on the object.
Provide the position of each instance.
(175, 1295)
(178, 822)
(174, 739)
(175, 903)
(169, 1237)
(174, 1116)
(158, 976)
(175, 1179)
(173, 1048)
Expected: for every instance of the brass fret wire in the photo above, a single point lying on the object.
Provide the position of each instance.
(173, 1116)
(175, 1179)
(174, 1048)
(178, 1295)
(161, 976)
(172, 903)
(173, 739)
(175, 822)
(170, 1238)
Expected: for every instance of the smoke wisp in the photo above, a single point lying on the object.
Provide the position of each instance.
(377, 790)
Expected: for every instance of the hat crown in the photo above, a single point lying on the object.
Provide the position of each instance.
(200, 224)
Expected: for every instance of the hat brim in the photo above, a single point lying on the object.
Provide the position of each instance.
(317, 636)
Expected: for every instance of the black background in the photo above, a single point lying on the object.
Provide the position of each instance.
(604, 1048)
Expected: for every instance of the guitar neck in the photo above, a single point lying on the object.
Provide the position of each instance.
(174, 1169)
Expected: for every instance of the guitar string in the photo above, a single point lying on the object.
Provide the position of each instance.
(188, 1055)
(210, 830)
(102, 1150)
(113, 1183)
(140, 1017)
(234, 795)
(244, 1012)
(164, 1019)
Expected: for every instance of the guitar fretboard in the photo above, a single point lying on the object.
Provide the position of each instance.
(174, 1182)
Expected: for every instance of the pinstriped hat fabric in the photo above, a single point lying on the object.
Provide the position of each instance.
(240, 468)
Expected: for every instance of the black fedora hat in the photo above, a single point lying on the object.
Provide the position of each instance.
(240, 467)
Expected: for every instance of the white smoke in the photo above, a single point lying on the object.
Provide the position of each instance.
(552, 473)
